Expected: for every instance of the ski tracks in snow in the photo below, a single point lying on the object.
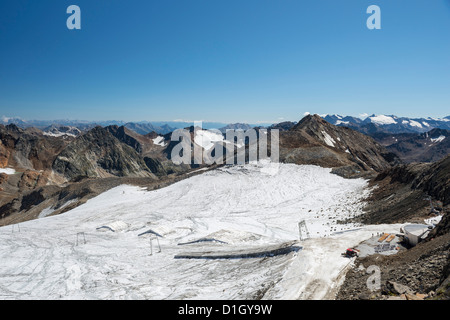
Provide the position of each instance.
(240, 205)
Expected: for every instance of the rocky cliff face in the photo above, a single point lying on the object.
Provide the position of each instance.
(152, 154)
(129, 137)
(29, 153)
(429, 146)
(432, 178)
(28, 148)
(99, 154)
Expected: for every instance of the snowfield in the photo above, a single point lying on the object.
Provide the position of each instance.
(232, 209)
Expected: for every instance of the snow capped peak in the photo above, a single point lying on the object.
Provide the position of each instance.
(382, 119)
(389, 123)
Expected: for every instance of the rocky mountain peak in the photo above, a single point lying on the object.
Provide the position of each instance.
(313, 140)
(310, 122)
(13, 128)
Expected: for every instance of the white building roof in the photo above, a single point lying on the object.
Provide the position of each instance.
(417, 229)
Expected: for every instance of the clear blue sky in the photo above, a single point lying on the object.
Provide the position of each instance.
(230, 61)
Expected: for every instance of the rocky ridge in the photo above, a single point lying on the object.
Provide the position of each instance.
(350, 153)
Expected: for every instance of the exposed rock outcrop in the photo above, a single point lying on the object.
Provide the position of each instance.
(402, 192)
(28, 148)
(418, 273)
(98, 153)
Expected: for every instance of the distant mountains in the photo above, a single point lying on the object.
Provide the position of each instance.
(370, 125)
(53, 126)
(389, 123)
(411, 139)
(141, 127)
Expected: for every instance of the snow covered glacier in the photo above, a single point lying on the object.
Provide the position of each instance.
(250, 207)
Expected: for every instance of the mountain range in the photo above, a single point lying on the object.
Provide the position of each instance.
(141, 127)
(66, 155)
(389, 123)
(49, 162)
(50, 171)
(369, 125)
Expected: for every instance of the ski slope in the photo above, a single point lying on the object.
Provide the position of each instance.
(242, 208)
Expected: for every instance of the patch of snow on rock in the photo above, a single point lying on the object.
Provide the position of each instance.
(438, 139)
(159, 141)
(328, 139)
(7, 170)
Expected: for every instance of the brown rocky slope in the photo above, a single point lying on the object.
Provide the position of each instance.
(350, 153)
(402, 194)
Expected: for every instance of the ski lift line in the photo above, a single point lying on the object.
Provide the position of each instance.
(79, 235)
(151, 245)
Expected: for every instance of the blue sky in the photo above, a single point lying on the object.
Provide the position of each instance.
(230, 61)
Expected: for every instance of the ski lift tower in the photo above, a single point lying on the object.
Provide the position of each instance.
(303, 230)
(151, 244)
